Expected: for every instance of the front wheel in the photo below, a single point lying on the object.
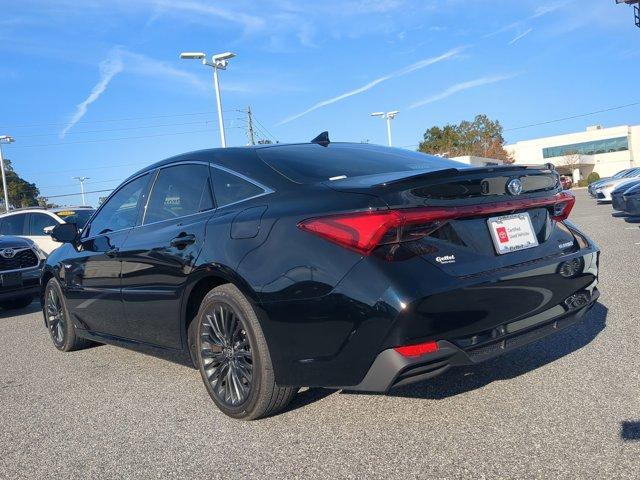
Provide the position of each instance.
(56, 317)
(233, 357)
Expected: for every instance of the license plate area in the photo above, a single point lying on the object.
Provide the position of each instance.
(512, 233)
(13, 279)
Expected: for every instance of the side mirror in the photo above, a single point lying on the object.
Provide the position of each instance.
(48, 230)
(65, 233)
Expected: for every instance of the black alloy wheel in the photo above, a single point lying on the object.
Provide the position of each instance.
(55, 315)
(233, 357)
(226, 354)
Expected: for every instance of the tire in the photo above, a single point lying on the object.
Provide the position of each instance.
(58, 321)
(15, 303)
(233, 357)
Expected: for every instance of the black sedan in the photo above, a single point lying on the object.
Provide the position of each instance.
(321, 264)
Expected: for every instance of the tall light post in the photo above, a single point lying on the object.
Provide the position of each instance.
(82, 180)
(4, 139)
(218, 62)
(388, 116)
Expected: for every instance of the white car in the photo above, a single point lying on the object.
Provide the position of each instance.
(36, 223)
(603, 191)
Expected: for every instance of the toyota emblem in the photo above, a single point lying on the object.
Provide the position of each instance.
(514, 187)
(7, 252)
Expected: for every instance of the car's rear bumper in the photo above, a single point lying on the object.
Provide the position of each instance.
(390, 369)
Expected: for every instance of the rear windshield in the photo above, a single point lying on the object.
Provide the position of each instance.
(79, 217)
(313, 163)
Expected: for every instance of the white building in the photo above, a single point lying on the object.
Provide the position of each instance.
(477, 161)
(597, 149)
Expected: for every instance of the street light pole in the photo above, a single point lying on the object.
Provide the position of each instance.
(218, 62)
(82, 180)
(388, 117)
(223, 138)
(5, 139)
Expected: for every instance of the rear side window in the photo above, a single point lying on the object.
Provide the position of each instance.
(14, 225)
(38, 222)
(313, 163)
(229, 188)
(178, 191)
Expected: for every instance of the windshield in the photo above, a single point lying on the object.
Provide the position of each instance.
(79, 217)
(308, 163)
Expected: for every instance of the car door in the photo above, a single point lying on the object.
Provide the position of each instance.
(37, 223)
(159, 255)
(93, 275)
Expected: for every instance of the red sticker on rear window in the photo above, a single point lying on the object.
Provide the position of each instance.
(502, 234)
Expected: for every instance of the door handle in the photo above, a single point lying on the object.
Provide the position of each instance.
(112, 252)
(183, 240)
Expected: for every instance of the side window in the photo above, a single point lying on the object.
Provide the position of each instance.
(38, 222)
(229, 188)
(14, 225)
(121, 210)
(178, 191)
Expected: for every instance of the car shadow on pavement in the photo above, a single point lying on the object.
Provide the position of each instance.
(630, 431)
(32, 308)
(460, 380)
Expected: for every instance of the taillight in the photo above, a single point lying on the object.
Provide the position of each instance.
(364, 231)
(563, 206)
(417, 349)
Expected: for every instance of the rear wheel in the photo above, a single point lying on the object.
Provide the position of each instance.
(233, 357)
(61, 328)
(14, 303)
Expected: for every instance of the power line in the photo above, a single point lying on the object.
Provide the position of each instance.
(125, 119)
(573, 117)
(115, 139)
(74, 194)
(120, 129)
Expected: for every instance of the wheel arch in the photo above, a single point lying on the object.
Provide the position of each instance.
(201, 283)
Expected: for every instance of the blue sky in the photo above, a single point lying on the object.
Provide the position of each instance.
(96, 88)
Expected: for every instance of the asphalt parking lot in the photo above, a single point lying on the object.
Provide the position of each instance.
(565, 407)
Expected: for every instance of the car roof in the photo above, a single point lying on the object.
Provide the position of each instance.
(244, 160)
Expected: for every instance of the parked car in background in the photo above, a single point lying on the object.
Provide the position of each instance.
(604, 190)
(594, 185)
(36, 223)
(321, 264)
(631, 201)
(617, 202)
(566, 182)
(21, 262)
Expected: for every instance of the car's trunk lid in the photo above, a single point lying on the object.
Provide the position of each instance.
(464, 246)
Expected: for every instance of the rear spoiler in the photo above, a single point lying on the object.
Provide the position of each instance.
(437, 174)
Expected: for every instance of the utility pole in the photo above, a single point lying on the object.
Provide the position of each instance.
(5, 139)
(82, 180)
(250, 137)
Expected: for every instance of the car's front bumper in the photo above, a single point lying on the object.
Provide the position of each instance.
(30, 285)
(391, 369)
(631, 205)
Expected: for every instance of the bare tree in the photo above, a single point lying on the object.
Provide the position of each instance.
(568, 162)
